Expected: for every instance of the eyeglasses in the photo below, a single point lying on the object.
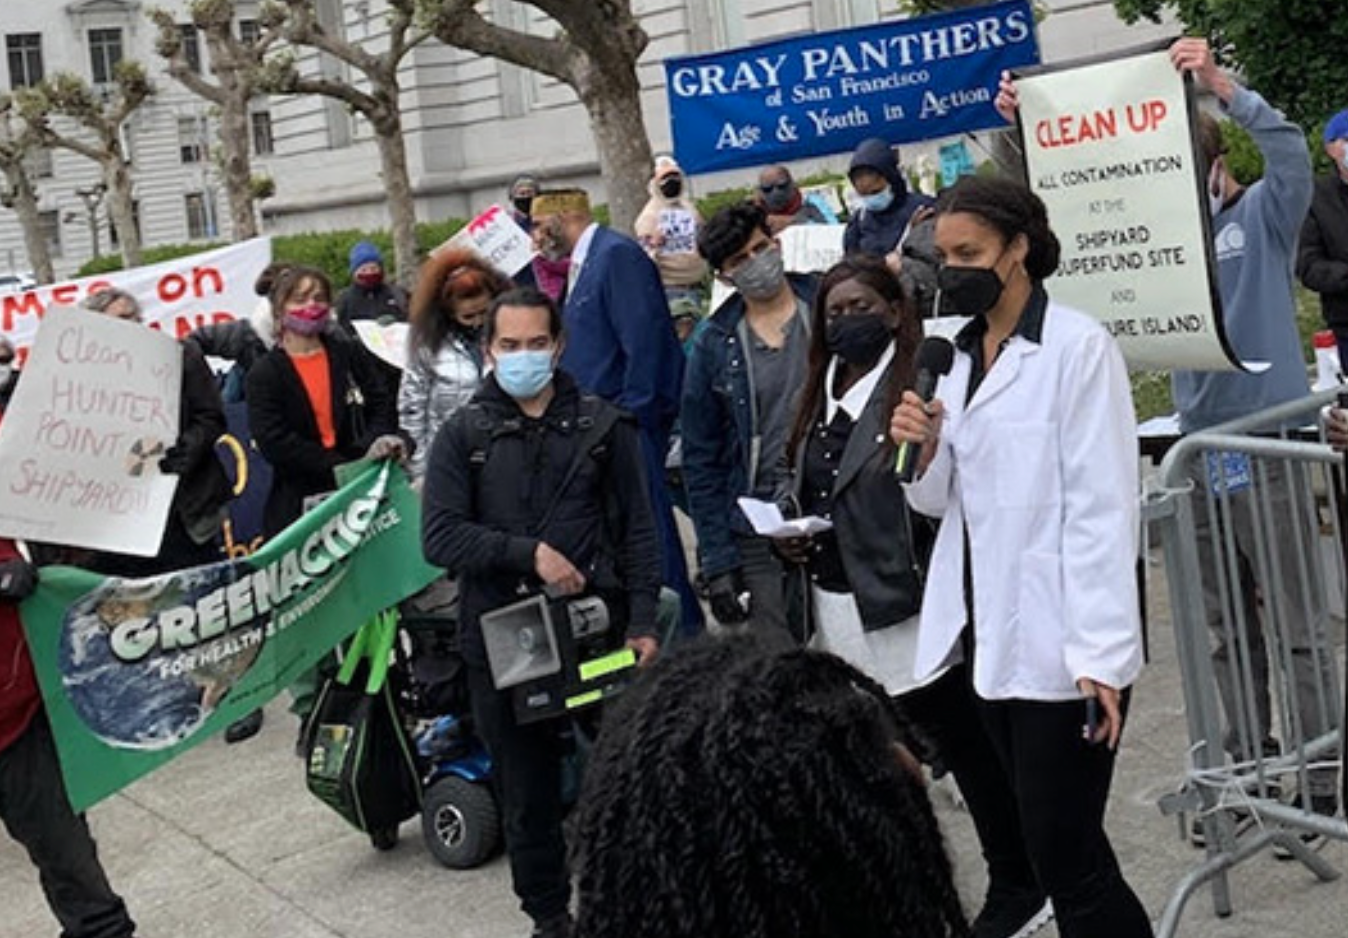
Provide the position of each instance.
(765, 188)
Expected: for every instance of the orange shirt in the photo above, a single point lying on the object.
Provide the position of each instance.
(317, 381)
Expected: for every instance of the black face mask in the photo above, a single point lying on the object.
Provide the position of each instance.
(968, 291)
(858, 338)
(671, 186)
(523, 203)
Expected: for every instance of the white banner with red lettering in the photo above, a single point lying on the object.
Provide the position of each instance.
(176, 296)
(1109, 147)
(496, 238)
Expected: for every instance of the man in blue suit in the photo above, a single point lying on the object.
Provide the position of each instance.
(621, 346)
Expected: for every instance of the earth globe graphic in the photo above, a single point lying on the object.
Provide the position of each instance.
(147, 704)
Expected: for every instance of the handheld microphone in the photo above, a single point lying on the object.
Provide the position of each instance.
(934, 357)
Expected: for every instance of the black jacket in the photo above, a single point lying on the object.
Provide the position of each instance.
(285, 429)
(357, 302)
(878, 233)
(1322, 257)
(481, 522)
(235, 341)
(883, 544)
(203, 487)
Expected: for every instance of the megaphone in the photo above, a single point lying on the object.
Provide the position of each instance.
(556, 656)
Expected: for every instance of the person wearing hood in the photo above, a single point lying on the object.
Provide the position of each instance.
(370, 295)
(785, 204)
(667, 228)
(520, 197)
(887, 207)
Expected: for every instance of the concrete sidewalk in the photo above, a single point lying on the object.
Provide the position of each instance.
(226, 843)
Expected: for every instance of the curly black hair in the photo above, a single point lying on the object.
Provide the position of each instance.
(752, 790)
(729, 230)
(1010, 208)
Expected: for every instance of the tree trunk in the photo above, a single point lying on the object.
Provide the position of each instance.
(398, 188)
(122, 208)
(237, 167)
(26, 208)
(613, 102)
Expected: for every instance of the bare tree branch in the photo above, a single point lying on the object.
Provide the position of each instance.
(458, 23)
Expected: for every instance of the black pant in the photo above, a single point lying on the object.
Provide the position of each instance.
(946, 711)
(527, 771)
(1061, 785)
(37, 813)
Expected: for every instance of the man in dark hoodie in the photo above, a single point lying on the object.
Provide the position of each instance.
(887, 207)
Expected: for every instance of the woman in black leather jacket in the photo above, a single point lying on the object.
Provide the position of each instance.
(866, 573)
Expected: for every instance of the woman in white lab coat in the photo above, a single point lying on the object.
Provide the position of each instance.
(1029, 457)
(866, 573)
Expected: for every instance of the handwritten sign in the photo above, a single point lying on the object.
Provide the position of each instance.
(81, 441)
(496, 238)
(176, 296)
(902, 80)
(1109, 147)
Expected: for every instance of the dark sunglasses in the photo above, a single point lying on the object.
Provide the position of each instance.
(775, 187)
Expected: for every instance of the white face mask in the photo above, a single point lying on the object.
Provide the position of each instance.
(6, 371)
(1217, 181)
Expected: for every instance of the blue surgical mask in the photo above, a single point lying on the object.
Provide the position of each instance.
(524, 375)
(878, 201)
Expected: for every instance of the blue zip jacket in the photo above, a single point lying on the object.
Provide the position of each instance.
(718, 423)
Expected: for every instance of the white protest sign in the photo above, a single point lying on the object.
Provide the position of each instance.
(1109, 148)
(389, 341)
(497, 239)
(176, 296)
(81, 440)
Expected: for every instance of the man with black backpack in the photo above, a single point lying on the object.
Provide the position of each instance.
(535, 486)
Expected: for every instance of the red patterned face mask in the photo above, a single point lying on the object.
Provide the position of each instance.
(307, 320)
(371, 280)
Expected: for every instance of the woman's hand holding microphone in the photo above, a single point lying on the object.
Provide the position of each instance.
(917, 424)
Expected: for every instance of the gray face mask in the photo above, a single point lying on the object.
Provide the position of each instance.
(761, 276)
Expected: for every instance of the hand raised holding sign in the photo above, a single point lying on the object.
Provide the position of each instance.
(1195, 56)
(1007, 100)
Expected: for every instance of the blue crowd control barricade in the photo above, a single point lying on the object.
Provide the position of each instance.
(1249, 516)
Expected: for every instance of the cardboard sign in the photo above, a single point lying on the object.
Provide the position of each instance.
(497, 239)
(1110, 149)
(81, 441)
(176, 296)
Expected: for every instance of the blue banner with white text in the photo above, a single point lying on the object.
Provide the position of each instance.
(905, 80)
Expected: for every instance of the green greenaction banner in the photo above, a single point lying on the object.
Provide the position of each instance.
(136, 672)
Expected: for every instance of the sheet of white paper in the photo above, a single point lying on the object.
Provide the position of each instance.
(767, 520)
(389, 341)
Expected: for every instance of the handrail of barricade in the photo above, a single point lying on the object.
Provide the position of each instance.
(1276, 496)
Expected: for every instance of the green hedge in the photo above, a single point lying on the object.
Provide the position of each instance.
(326, 250)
